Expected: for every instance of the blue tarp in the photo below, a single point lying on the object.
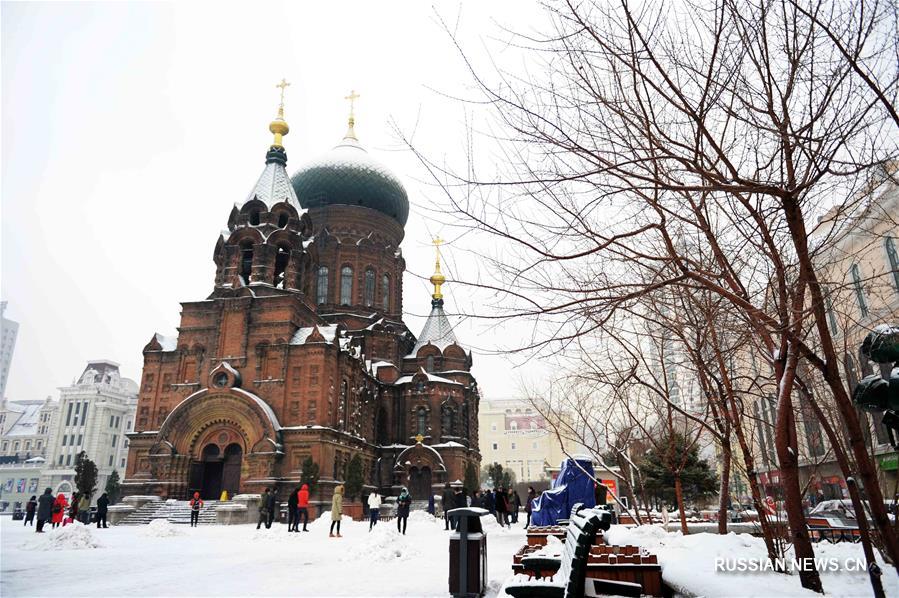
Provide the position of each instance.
(571, 487)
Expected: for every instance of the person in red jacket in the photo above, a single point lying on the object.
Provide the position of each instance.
(196, 503)
(59, 509)
(303, 506)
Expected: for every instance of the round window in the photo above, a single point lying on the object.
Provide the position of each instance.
(220, 380)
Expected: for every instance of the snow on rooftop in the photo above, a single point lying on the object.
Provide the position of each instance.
(168, 343)
(329, 332)
(431, 378)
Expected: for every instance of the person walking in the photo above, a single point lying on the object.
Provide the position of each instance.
(59, 509)
(102, 508)
(303, 506)
(30, 508)
(449, 502)
(44, 509)
(263, 509)
(292, 519)
(196, 503)
(73, 511)
(499, 501)
(431, 504)
(489, 503)
(403, 503)
(529, 505)
(515, 501)
(374, 509)
(336, 511)
(476, 500)
(84, 509)
(272, 509)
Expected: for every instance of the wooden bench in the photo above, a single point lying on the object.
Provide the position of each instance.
(570, 569)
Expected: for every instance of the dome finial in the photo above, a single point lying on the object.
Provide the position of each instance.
(279, 127)
(351, 131)
(437, 278)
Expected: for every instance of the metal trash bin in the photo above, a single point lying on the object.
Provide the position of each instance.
(468, 553)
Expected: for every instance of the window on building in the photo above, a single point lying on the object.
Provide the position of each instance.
(64, 437)
(5, 446)
(534, 444)
(429, 363)
(513, 425)
(495, 446)
(321, 286)
(859, 290)
(111, 421)
(369, 297)
(27, 445)
(68, 459)
(533, 425)
(69, 415)
(60, 459)
(110, 460)
(114, 439)
(84, 414)
(422, 421)
(79, 440)
(831, 315)
(118, 421)
(346, 285)
(889, 244)
(15, 447)
(493, 427)
(39, 444)
(246, 261)
(513, 446)
(385, 292)
(123, 463)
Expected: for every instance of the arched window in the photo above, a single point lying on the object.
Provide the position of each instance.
(429, 363)
(513, 425)
(892, 260)
(385, 292)
(246, 261)
(344, 406)
(254, 217)
(321, 287)
(422, 421)
(369, 298)
(281, 259)
(283, 219)
(346, 285)
(448, 423)
(831, 315)
(859, 290)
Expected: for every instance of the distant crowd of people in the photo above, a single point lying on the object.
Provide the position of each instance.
(502, 503)
(59, 511)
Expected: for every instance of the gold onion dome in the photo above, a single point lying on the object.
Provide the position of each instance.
(279, 127)
(437, 278)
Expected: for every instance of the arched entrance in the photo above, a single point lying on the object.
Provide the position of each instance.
(231, 469)
(420, 483)
(211, 467)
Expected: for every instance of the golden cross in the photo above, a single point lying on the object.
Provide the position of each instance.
(283, 84)
(419, 438)
(352, 98)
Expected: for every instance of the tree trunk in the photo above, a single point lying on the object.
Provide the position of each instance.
(724, 491)
(787, 456)
(679, 495)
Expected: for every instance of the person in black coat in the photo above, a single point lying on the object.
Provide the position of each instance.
(502, 510)
(515, 499)
(293, 522)
(489, 503)
(403, 503)
(30, 508)
(102, 508)
(449, 502)
(44, 509)
(271, 505)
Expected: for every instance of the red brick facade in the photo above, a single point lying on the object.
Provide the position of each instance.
(263, 374)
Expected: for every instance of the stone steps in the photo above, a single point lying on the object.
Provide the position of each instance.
(174, 511)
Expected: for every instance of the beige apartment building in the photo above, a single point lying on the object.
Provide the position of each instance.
(858, 261)
(516, 436)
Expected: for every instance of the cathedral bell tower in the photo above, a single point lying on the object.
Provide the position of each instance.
(262, 250)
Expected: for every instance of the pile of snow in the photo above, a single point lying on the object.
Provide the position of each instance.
(74, 536)
(323, 522)
(161, 528)
(383, 545)
(422, 517)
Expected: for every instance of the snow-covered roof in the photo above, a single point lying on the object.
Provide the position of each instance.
(273, 187)
(300, 336)
(168, 343)
(437, 330)
(26, 424)
(431, 378)
(450, 444)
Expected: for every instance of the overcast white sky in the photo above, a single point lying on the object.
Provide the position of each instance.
(130, 129)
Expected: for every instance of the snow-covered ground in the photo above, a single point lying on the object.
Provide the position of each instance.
(175, 560)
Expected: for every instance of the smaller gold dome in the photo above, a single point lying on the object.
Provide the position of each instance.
(279, 127)
(437, 279)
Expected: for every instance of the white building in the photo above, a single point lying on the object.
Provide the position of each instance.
(94, 414)
(8, 332)
(25, 428)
